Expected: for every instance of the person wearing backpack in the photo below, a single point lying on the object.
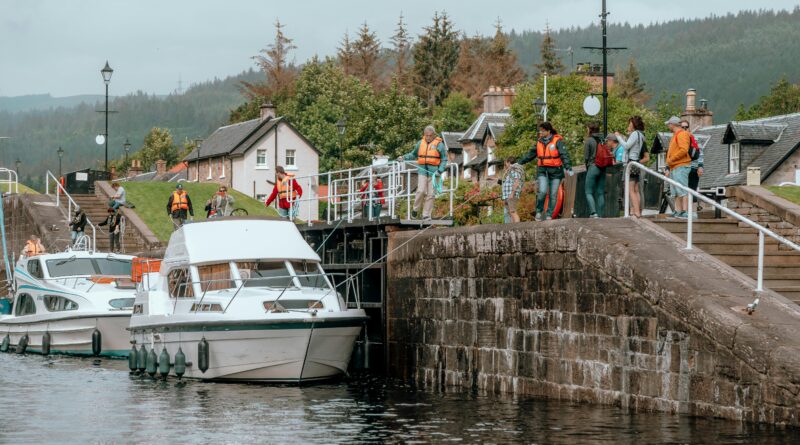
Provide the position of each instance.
(635, 150)
(596, 158)
(552, 161)
(697, 163)
(679, 162)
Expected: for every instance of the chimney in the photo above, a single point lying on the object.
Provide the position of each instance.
(697, 117)
(135, 168)
(691, 96)
(508, 96)
(497, 98)
(161, 167)
(267, 111)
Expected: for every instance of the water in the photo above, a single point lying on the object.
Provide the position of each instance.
(67, 400)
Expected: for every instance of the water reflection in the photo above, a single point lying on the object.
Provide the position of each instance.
(67, 400)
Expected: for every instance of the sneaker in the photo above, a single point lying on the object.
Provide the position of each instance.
(681, 215)
(593, 215)
(538, 217)
(413, 214)
(549, 218)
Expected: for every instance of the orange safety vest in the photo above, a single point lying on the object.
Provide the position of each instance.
(33, 248)
(548, 155)
(283, 187)
(428, 154)
(179, 201)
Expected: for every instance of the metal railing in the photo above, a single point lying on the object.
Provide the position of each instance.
(352, 189)
(8, 176)
(691, 195)
(59, 190)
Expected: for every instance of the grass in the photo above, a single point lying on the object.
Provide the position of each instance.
(791, 193)
(6, 188)
(151, 199)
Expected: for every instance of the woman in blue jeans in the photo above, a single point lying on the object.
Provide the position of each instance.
(595, 185)
(552, 161)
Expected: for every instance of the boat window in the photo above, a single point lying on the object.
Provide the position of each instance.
(206, 307)
(284, 305)
(113, 266)
(180, 283)
(71, 266)
(309, 274)
(25, 305)
(55, 303)
(264, 273)
(215, 276)
(35, 268)
(122, 303)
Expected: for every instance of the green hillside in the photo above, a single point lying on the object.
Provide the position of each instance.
(151, 199)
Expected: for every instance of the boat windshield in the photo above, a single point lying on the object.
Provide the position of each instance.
(309, 273)
(88, 266)
(264, 274)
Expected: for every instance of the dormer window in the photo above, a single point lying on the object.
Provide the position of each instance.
(733, 158)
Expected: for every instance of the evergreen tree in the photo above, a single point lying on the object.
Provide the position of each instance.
(274, 62)
(435, 59)
(505, 69)
(367, 63)
(346, 54)
(550, 62)
(783, 98)
(401, 47)
(629, 84)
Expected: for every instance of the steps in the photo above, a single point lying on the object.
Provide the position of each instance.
(737, 246)
(97, 210)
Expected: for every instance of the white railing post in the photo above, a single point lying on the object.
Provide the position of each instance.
(760, 281)
(689, 222)
(349, 195)
(626, 191)
(408, 193)
(330, 201)
(369, 195)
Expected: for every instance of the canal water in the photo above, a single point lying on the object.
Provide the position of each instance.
(63, 400)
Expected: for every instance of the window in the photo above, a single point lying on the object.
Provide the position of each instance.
(180, 283)
(261, 198)
(88, 266)
(215, 276)
(209, 170)
(284, 305)
(55, 303)
(733, 158)
(121, 303)
(290, 158)
(222, 167)
(309, 274)
(489, 158)
(261, 158)
(35, 269)
(206, 307)
(467, 171)
(25, 305)
(113, 266)
(265, 274)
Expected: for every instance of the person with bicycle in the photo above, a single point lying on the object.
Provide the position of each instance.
(222, 202)
(77, 225)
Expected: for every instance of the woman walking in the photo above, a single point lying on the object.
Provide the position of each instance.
(553, 161)
(634, 145)
(595, 185)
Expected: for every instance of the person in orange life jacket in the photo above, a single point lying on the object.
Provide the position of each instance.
(33, 247)
(178, 206)
(372, 202)
(553, 161)
(114, 223)
(431, 160)
(288, 191)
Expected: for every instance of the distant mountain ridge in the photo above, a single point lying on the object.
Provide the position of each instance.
(14, 104)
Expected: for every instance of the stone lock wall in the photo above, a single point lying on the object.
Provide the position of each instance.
(773, 212)
(603, 311)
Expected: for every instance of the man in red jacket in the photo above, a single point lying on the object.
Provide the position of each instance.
(288, 191)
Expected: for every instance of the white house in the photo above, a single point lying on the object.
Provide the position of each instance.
(243, 156)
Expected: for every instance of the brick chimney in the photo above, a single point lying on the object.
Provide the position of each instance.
(161, 167)
(267, 111)
(497, 98)
(698, 117)
(135, 168)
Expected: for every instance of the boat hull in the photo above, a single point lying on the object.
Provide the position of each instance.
(72, 335)
(261, 351)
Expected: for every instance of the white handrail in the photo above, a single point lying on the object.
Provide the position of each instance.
(693, 194)
(59, 190)
(13, 179)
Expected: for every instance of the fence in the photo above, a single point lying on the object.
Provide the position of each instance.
(57, 192)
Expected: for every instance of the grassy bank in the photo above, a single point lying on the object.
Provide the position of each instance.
(151, 199)
(6, 188)
(791, 193)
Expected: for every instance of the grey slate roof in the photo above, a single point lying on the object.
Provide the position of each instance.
(496, 129)
(452, 140)
(752, 152)
(224, 140)
(477, 163)
(476, 131)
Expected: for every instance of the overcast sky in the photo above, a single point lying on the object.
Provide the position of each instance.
(59, 46)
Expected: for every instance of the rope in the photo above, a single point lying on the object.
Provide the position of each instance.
(329, 235)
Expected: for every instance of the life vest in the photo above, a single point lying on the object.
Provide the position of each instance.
(548, 156)
(428, 154)
(179, 201)
(283, 188)
(33, 248)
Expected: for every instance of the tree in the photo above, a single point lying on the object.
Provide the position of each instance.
(629, 84)
(550, 62)
(401, 47)
(667, 106)
(783, 98)
(504, 68)
(345, 54)
(455, 113)
(158, 145)
(367, 63)
(435, 59)
(274, 63)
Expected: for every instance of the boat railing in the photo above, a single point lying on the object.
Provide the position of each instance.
(57, 191)
(9, 181)
(355, 191)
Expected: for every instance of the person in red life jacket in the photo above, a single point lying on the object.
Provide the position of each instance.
(288, 191)
(178, 206)
(431, 158)
(372, 202)
(553, 161)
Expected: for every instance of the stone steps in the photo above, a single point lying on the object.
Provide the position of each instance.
(96, 210)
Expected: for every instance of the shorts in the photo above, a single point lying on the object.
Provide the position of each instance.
(694, 179)
(511, 204)
(681, 176)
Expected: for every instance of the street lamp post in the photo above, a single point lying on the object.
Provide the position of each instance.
(127, 147)
(540, 105)
(17, 164)
(341, 125)
(60, 152)
(106, 72)
(197, 143)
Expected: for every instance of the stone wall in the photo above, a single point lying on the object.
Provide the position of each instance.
(766, 208)
(601, 311)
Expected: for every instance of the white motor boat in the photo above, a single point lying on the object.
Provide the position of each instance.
(244, 299)
(73, 302)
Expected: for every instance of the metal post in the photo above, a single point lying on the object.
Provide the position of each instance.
(408, 193)
(760, 283)
(626, 192)
(605, 72)
(106, 133)
(544, 113)
(349, 195)
(369, 196)
(689, 223)
(330, 201)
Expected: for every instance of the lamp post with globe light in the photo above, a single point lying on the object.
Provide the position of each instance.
(106, 72)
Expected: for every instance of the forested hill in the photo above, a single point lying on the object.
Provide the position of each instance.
(730, 59)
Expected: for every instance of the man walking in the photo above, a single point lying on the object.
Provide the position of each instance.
(679, 164)
(513, 180)
(431, 161)
(288, 191)
(178, 206)
(553, 161)
(114, 223)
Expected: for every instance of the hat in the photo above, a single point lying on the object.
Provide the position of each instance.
(674, 120)
(612, 137)
(179, 186)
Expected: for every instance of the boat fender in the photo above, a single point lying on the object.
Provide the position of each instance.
(141, 359)
(97, 342)
(163, 363)
(132, 359)
(152, 362)
(180, 363)
(202, 355)
(6, 343)
(46, 343)
(23, 344)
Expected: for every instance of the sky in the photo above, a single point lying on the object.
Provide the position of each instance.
(59, 46)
